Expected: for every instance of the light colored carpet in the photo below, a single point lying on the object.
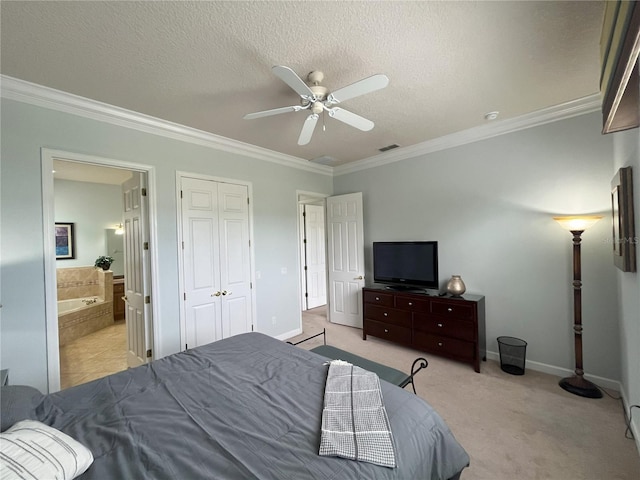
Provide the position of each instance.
(513, 427)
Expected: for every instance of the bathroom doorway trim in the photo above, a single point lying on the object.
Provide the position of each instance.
(48, 209)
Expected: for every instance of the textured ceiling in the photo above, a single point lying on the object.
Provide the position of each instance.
(207, 64)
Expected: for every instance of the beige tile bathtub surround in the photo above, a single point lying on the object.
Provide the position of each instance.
(80, 282)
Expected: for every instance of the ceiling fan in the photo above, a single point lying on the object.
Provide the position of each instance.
(318, 99)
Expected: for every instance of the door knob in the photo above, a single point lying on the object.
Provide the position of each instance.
(360, 277)
(217, 294)
(224, 292)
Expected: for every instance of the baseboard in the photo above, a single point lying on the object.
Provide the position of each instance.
(288, 335)
(563, 372)
(635, 425)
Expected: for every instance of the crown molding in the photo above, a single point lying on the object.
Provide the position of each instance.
(45, 97)
(563, 111)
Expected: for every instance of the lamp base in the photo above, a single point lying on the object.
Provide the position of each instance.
(579, 386)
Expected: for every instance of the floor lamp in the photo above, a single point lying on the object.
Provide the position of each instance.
(576, 384)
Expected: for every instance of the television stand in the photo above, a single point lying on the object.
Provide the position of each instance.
(453, 327)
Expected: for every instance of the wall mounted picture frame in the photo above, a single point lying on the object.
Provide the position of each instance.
(65, 241)
(623, 228)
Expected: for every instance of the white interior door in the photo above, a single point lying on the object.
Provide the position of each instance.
(345, 248)
(235, 260)
(201, 262)
(216, 260)
(316, 271)
(137, 271)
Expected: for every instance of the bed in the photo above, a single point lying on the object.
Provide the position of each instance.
(246, 407)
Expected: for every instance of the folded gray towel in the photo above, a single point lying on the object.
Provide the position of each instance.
(354, 421)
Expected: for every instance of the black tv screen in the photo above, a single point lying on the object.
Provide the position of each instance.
(406, 264)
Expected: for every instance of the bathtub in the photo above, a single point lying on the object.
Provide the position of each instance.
(74, 304)
(78, 317)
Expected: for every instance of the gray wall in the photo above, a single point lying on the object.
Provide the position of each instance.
(489, 205)
(26, 129)
(627, 154)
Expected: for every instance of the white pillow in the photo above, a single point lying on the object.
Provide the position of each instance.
(31, 449)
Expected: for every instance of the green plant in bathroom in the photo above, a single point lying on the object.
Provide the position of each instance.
(104, 262)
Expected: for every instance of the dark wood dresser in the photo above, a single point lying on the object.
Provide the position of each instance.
(453, 327)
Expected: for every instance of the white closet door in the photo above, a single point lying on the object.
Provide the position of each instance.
(235, 261)
(216, 260)
(201, 262)
(346, 258)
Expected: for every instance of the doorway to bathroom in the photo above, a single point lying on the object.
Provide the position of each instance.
(99, 320)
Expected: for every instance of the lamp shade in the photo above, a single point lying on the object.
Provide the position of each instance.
(577, 222)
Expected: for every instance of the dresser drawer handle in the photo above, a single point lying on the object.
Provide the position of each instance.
(386, 331)
(449, 309)
(410, 304)
(439, 325)
(439, 344)
(377, 298)
(385, 314)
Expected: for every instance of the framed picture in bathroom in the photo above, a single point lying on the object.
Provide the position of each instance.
(65, 241)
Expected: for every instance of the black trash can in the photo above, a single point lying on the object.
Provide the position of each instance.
(512, 355)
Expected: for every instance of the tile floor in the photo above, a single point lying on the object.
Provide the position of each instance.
(94, 356)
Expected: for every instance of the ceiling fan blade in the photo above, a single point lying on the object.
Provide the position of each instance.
(275, 111)
(308, 127)
(366, 85)
(290, 77)
(350, 118)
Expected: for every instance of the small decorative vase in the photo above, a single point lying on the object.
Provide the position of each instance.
(456, 286)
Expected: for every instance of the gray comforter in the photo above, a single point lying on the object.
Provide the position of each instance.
(247, 407)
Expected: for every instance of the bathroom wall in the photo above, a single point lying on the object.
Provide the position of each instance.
(94, 208)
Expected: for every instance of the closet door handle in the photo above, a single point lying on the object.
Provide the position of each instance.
(224, 292)
(217, 294)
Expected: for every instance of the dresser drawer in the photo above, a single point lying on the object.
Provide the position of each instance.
(449, 327)
(453, 309)
(443, 345)
(388, 315)
(378, 298)
(413, 304)
(393, 333)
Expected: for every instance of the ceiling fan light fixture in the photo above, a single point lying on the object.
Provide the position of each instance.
(317, 107)
(318, 99)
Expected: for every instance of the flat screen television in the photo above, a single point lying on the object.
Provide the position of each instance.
(406, 265)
